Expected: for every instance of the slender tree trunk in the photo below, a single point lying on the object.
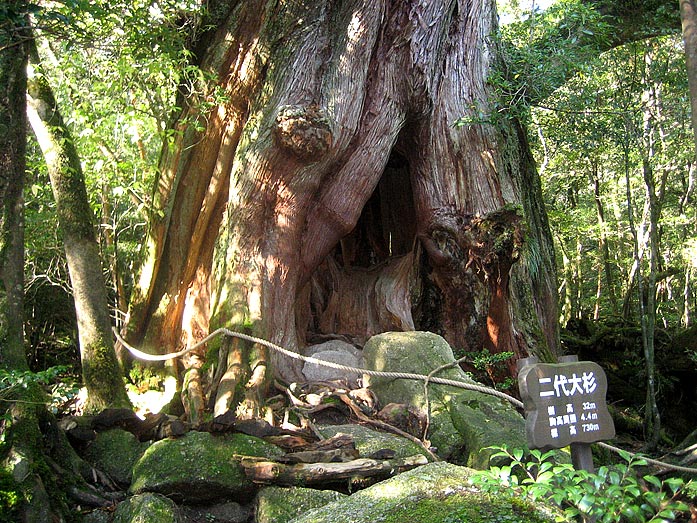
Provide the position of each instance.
(652, 418)
(603, 239)
(566, 289)
(688, 17)
(21, 452)
(100, 370)
(687, 295)
(653, 201)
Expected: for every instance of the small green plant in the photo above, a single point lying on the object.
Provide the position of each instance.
(13, 381)
(615, 493)
(488, 365)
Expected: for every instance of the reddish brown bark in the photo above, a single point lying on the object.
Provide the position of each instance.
(351, 196)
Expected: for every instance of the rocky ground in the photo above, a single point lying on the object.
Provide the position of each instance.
(345, 454)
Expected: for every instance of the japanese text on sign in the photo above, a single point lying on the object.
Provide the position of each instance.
(565, 403)
(564, 386)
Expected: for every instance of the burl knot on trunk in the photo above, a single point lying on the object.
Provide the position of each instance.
(303, 131)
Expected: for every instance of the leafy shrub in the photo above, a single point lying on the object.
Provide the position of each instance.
(10, 496)
(60, 392)
(488, 366)
(616, 493)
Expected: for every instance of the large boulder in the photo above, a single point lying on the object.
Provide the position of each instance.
(434, 493)
(147, 508)
(280, 505)
(115, 452)
(199, 467)
(463, 423)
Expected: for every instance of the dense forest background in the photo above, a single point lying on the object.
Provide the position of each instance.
(614, 146)
(306, 171)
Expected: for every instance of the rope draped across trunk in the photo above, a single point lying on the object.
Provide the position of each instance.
(380, 374)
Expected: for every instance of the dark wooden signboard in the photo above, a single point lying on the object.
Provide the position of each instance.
(565, 404)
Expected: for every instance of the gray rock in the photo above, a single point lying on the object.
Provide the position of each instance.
(147, 508)
(434, 493)
(370, 441)
(335, 351)
(230, 512)
(463, 423)
(97, 516)
(280, 505)
(199, 467)
(333, 345)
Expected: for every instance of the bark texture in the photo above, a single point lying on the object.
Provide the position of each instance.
(100, 370)
(19, 424)
(13, 128)
(688, 17)
(328, 192)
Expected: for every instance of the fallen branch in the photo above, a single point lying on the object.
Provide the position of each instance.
(271, 472)
(385, 426)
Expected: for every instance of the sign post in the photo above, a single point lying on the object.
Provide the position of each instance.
(565, 406)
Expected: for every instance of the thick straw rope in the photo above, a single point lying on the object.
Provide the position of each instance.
(381, 374)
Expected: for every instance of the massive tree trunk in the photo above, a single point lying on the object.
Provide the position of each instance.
(327, 191)
(101, 373)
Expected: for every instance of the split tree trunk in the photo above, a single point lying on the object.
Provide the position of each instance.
(334, 145)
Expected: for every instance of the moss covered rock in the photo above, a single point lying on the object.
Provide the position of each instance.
(199, 467)
(280, 505)
(147, 508)
(115, 452)
(369, 441)
(463, 422)
(434, 493)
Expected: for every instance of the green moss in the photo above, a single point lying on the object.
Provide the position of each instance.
(199, 466)
(115, 452)
(147, 508)
(434, 493)
(472, 508)
(280, 505)
(102, 376)
(463, 422)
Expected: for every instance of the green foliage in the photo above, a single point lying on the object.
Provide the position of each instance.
(116, 69)
(10, 497)
(596, 120)
(615, 493)
(56, 379)
(538, 52)
(11, 381)
(143, 378)
(488, 365)
(627, 112)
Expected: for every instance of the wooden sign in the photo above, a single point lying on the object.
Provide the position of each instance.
(565, 404)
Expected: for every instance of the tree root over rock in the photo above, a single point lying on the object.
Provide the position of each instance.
(300, 474)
